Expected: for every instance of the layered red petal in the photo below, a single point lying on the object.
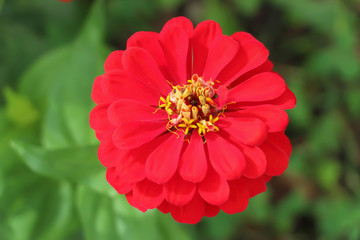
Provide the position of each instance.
(162, 163)
(178, 191)
(226, 158)
(190, 213)
(193, 162)
(214, 189)
(261, 87)
(204, 34)
(148, 194)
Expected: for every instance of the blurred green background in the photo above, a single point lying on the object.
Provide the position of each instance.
(53, 187)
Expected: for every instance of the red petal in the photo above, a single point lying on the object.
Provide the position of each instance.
(214, 189)
(134, 134)
(250, 131)
(222, 93)
(97, 94)
(255, 186)
(179, 192)
(211, 210)
(107, 152)
(131, 166)
(150, 42)
(191, 213)
(142, 66)
(175, 44)
(188, 27)
(193, 163)
(267, 66)
(222, 51)
(148, 194)
(98, 117)
(281, 141)
(114, 61)
(238, 198)
(285, 101)
(163, 161)
(126, 110)
(134, 203)
(275, 118)
(117, 182)
(226, 159)
(261, 87)
(164, 207)
(184, 23)
(251, 55)
(204, 34)
(118, 84)
(277, 160)
(255, 162)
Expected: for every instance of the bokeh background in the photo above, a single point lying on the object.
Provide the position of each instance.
(53, 187)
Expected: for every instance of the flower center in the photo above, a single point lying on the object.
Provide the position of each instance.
(192, 106)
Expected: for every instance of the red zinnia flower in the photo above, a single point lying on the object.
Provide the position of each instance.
(191, 121)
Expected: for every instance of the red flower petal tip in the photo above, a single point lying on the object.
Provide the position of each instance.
(191, 121)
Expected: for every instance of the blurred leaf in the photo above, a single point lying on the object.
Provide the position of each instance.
(43, 213)
(66, 164)
(19, 109)
(320, 15)
(352, 98)
(221, 13)
(333, 60)
(325, 137)
(247, 7)
(294, 204)
(338, 218)
(301, 116)
(221, 227)
(328, 174)
(168, 4)
(64, 78)
(111, 217)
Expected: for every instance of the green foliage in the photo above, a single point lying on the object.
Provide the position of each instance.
(53, 187)
(19, 109)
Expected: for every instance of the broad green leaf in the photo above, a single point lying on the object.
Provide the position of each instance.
(78, 164)
(111, 217)
(19, 109)
(69, 164)
(43, 213)
(63, 78)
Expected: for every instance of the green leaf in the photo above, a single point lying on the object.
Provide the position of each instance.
(43, 213)
(64, 164)
(60, 84)
(1, 5)
(329, 211)
(248, 7)
(19, 109)
(328, 174)
(111, 217)
(220, 12)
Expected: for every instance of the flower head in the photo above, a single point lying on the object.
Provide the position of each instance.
(191, 121)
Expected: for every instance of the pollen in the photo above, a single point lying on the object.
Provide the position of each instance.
(192, 107)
